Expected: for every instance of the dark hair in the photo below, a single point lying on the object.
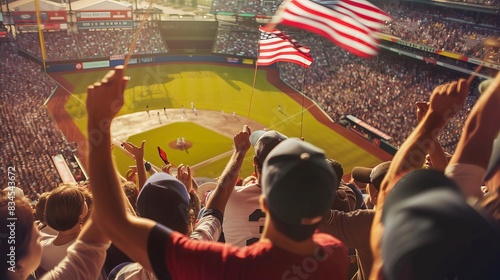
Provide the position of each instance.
(40, 206)
(337, 168)
(64, 207)
(22, 230)
(194, 203)
(294, 232)
(131, 192)
(258, 165)
(89, 198)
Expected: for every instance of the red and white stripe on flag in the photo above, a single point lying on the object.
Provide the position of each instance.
(275, 46)
(351, 24)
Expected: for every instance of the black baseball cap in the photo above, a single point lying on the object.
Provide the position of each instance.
(432, 232)
(165, 200)
(298, 183)
(494, 159)
(264, 141)
(373, 175)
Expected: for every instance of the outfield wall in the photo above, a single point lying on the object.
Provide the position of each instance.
(76, 65)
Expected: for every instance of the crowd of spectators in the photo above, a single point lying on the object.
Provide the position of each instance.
(457, 31)
(480, 2)
(256, 7)
(442, 29)
(90, 44)
(242, 43)
(381, 91)
(29, 137)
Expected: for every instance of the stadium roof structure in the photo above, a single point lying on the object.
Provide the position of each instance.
(101, 5)
(29, 5)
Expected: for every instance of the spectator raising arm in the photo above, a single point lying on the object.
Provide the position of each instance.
(227, 181)
(104, 101)
(475, 146)
(446, 100)
(436, 154)
(138, 153)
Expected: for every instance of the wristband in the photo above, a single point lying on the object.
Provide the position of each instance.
(147, 165)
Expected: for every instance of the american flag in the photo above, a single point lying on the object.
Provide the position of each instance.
(351, 24)
(275, 46)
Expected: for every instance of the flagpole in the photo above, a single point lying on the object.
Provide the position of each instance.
(132, 46)
(253, 84)
(303, 99)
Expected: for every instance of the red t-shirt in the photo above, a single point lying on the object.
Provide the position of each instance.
(184, 258)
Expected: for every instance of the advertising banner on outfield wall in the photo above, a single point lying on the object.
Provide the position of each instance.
(29, 18)
(247, 61)
(84, 25)
(160, 58)
(96, 64)
(104, 19)
(104, 15)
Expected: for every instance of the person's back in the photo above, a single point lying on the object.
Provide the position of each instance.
(65, 211)
(262, 260)
(243, 218)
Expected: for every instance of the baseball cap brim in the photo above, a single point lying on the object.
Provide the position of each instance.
(494, 159)
(255, 136)
(204, 188)
(361, 174)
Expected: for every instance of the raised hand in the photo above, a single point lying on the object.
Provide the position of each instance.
(242, 140)
(137, 152)
(131, 174)
(422, 108)
(446, 100)
(105, 98)
(184, 175)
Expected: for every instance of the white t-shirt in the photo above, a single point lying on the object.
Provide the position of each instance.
(468, 177)
(243, 219)
(52, 254)
(84, 261)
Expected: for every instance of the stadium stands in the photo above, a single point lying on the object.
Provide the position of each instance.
(29, 137)
(380, 91)
(91, 44)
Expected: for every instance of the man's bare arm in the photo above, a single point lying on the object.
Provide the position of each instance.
(446, 100)
(129, 233)
(227, 181)
(481, 128)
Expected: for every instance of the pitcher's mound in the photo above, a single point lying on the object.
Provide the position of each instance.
(180, 146)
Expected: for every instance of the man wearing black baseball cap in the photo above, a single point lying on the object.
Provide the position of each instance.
(244, 220)
(372, 176)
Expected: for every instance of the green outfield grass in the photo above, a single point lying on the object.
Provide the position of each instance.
(213, 87)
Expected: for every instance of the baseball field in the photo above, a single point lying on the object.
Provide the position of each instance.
(158, 109)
